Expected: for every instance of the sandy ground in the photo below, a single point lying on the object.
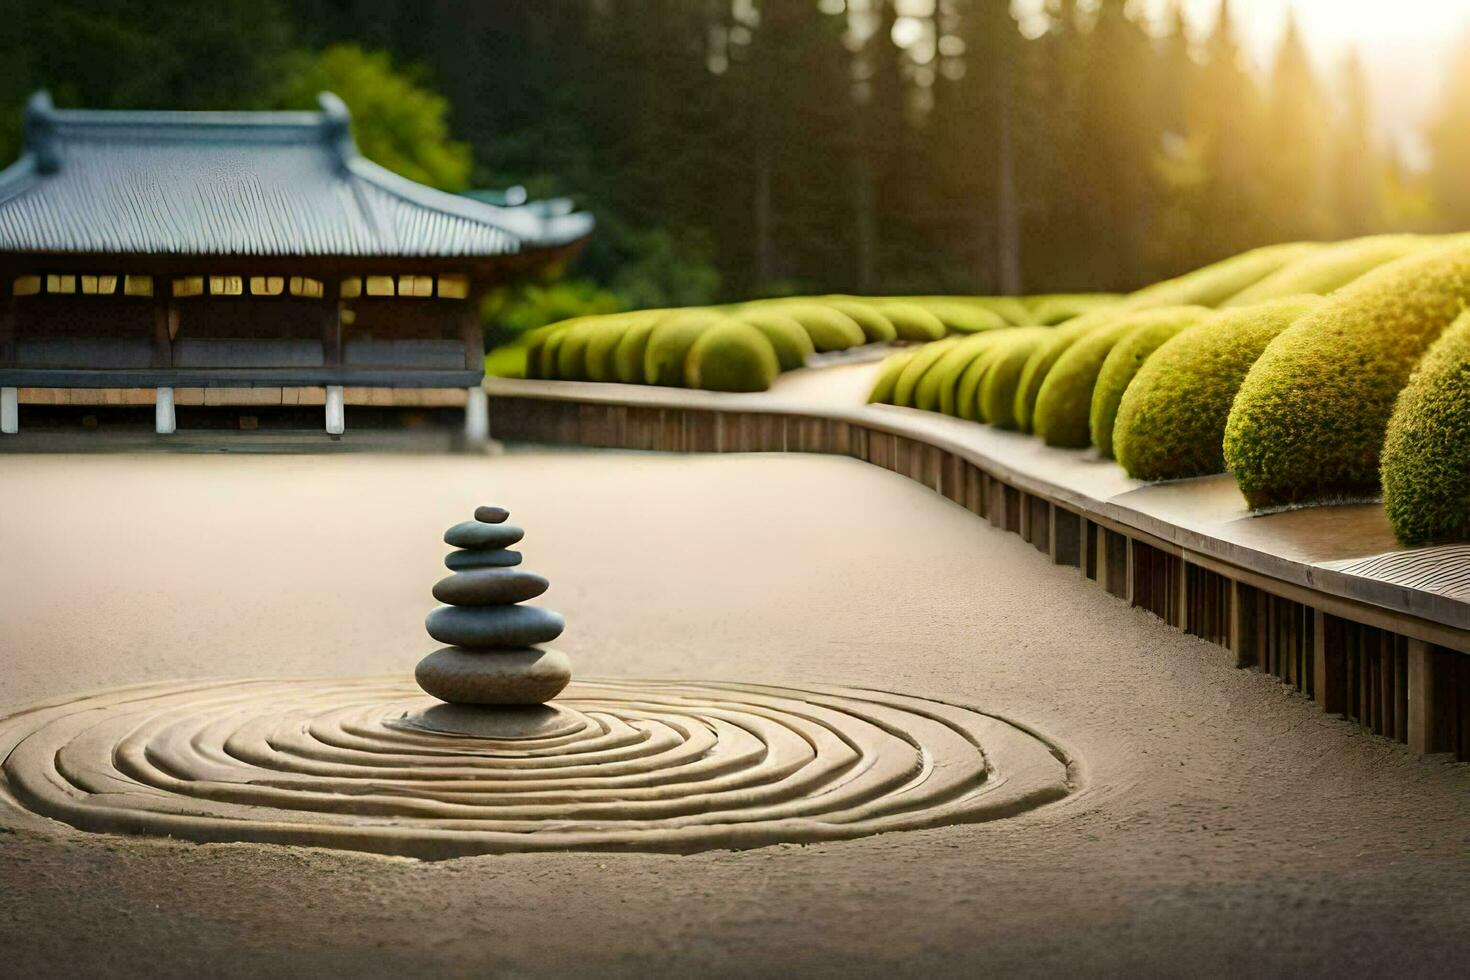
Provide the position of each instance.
(1227, 827)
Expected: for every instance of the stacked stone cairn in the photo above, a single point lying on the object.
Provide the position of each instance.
(492, 657)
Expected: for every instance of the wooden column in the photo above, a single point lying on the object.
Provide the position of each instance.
(332, 322)
(1245, 624)
(1329, 663)
(1421, 697)
(7, 321)
(472, 332)
(165, 313)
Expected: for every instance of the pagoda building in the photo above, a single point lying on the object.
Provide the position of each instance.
(246, 258)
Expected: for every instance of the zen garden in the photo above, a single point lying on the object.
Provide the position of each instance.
(749, 488)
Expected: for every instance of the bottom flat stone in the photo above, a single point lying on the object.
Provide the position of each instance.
(528, 675)
(509, 722)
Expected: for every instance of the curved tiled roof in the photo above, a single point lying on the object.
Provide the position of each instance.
(245, 183)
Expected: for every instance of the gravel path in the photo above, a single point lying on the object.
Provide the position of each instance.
(1226, 825)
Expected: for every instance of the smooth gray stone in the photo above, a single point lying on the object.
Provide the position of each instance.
(490, 514)
(489, 587)
(525, 676)
(499, 558)
(498, 627)
(473, 534)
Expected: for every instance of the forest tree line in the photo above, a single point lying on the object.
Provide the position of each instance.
(736, 148)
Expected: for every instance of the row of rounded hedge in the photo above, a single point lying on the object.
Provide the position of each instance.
(1292, 391)
(743, 347)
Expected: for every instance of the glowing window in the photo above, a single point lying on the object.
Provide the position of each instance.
(454, 287)
(61, 284)
(189, 286)
(226, 285)
(380, 285)
(351, 288)
(348, 318)
(99, 285)
(27, 285)
(138, 286)
(309, 288)
(415, 285)
(266, 285)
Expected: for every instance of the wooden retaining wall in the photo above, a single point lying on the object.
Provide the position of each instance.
(1370, 665)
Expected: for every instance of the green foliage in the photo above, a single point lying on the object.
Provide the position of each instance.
(949, 371)
(908, 381)
(571, 354)
(1171, 421)
(1042, 359)
(913, 322)
(1309, 420)
(828, 328)
(731, 356)
(997, 395)
(877, 328)
(1064, 402)
(1331, 267)
(1122, 363)
(1214, 284)
(888, 374)
(967, 392)
(628, 355)
(602, 345)
(1048, 311)
(669, 344)
(1426, 454)
(961, 316)
(397, 121)
(792, 344)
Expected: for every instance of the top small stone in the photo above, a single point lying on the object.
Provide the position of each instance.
(488, 514)
(474, 534)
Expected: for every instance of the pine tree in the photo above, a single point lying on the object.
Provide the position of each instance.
(1449, 142)
(1297, 135)
(1356, 186)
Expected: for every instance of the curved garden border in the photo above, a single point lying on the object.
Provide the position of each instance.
(1320, 598)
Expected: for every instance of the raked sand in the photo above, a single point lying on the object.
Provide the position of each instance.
(1226, 825)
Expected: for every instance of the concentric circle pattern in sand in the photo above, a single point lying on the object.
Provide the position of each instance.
(623, 765)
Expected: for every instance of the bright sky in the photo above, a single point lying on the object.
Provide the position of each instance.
(1406, 44)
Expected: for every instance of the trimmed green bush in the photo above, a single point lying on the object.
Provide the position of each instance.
(1310, 418)
(1064, 403)
(603, 342)
(967, 390)
(1042, 359)
(1331, 267)
(1122, 363)
(828, 328)
(627, 357)
(1050, 310)
(937, 389)
(792, 344)
(877, 328)
(669, 344)
(1426, 455)
(913, 322)
(914, 371)
(548, 356)
(1216, 283)
(731, 356)
(1171, 421)
(959, 316)
(888, 374)
(571, 355)
(535, 342)
(997, 395)
(1012, 309)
